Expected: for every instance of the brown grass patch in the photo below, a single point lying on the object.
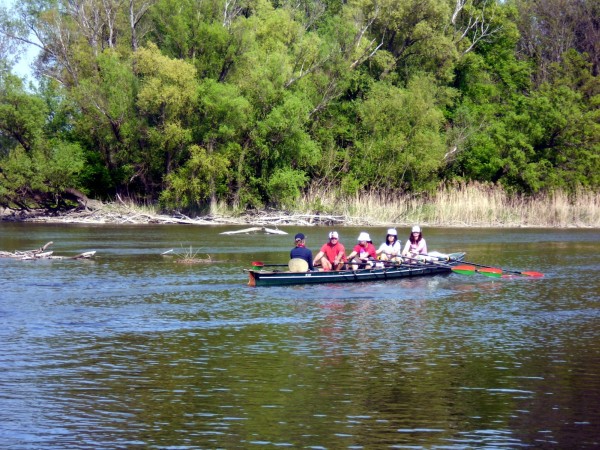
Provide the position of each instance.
(461, 204)
(191, 257)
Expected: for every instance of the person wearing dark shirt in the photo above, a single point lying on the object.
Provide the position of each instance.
(301, 252)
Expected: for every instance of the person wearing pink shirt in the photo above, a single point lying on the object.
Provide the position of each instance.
(415, 245)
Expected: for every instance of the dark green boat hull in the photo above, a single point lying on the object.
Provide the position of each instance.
(275, 278)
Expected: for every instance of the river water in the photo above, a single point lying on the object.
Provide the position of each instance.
(135, 350)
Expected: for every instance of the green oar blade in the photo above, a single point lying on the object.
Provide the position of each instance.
(491, 272)
(464, 270)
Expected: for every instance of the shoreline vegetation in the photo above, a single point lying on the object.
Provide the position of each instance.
(302, 113)
(464, 205)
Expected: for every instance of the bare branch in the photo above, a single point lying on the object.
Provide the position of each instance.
(477, 25)
(134, 19)
(366, 56)
(231, 10)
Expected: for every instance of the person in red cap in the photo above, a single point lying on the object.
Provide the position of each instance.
(301, 252)
(332, 255)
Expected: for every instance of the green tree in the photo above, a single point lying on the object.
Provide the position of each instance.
(108, 121)
(225, 121)
(166, 100)
(400, 143)
(250, 102)
(36, 165)
(190, 185)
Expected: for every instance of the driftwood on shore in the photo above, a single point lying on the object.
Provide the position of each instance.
(254, 230)
(41, 253)
(121, 213)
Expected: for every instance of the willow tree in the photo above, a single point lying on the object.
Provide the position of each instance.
(37, 164)
(400, 145)
(274, 73)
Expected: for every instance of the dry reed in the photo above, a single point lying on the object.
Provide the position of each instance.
(461, 204)
(191, 257)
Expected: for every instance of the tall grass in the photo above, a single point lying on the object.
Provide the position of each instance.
(464, 204)
(461, 204)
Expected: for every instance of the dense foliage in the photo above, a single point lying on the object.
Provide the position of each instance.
(250, 102)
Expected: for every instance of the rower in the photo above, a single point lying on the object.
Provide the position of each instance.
(301, 259)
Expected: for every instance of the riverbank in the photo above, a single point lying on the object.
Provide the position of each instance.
(116, 214)
(130, 214)
(466, 205)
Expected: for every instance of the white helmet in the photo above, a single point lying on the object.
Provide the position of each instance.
(333, 234)
(416, 229)
(364, 237)
(392, 232)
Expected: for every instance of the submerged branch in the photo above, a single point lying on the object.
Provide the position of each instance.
(41, 253)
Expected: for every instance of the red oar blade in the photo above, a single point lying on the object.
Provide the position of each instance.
(464, 270)
(533, 274)
(491, 272)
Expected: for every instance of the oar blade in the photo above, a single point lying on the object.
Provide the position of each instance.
(491, 272)
(464, 270)
(533, 274)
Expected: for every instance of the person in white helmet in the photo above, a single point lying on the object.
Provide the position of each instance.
(416, 244)
(332, 255)
(390, 249)
(363, 253)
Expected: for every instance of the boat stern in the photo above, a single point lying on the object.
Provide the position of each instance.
(251, 278)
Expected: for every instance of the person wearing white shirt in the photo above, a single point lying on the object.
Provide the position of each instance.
(390, 249)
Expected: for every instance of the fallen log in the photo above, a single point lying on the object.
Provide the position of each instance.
(41, 253)
(254, 230)
(84, 255)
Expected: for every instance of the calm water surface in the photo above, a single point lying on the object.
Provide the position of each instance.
(135, 350)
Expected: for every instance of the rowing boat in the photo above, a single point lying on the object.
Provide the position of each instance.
(389, 272)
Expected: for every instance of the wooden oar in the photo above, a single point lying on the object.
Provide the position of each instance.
(495, 271)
